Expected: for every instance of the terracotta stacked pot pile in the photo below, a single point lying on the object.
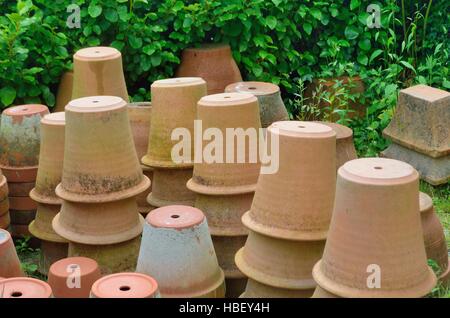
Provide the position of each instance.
(19, 156)
(375, 245)
(174, 103)
(51, 156)
(291, 211)
(100, 181)
(420, 132)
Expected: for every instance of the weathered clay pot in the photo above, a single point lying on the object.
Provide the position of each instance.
(319, 292)
(4, 191)
(51, 157)
(370, 233)
(296, 202)
(24, 287)
(50, 253)
(232, 111)
(125, 285)
(169, 188)
(10, 264)
(4, 206)
(176, 238)
(100, 162)
(20, 189)
(99, 223)
(140, 114)
(174, 105)
(226, 247)
(64, 93)
(20, 175)
(22, 203)
(24, 217)
(20, 137)
(41, 226)
(5, 220)
(98, 71)
(212, 62)
(271, 106)
(73, 277)
(235, 287)
(114, 258)
(255, 289)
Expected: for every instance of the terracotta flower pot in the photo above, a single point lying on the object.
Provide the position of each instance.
(4, 206)
(370, 234)
(64, 94)
(100, 162)
(4, 190)
(24, 217)
(50, 253)
(20, 189)
(99, 223)
(140, 114)
(296, 202)
(141, 199)
(114, 258)
(5, 221)
(98, 71)
(222, 111)
(174, 105)
(41, 226)
(176, 238)
(169, 188)
(255, 289)
(73, 277)
(319, 292)
(226, 247)
(22, 203)
(10, 264)
(212, 62)
(24, 287)
(125, 285)
(20, 136)
(271, 106)
(51, 157)
(20, 175)
(235, 287)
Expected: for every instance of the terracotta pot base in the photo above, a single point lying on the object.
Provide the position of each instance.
(20, 189)
(235, 287)
(125, 285)
(25, 287)
(22, 217)
(255, 289)
(50, 253)
(19, 174)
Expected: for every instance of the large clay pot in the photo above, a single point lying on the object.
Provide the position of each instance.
(41, 226)
(255, 289)
(100, 161)
(271, 106)
(174, 105)
(22, 203)
(175, 241)
(296, 202)
(50, 253)
(125, 285)
(20, 189)
(64, 93)
(140, 115)
(24, 287)
(212, 62)
(10, 264)
(222, 112)
(98, 71)
(375, 238)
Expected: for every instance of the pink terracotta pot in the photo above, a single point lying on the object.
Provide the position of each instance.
(10, 264)
(20, 189)
(41, 226)
(140, 114)
(50, 253)
(22, 203)
(125, 285)
(64, 93)
(255, 289)
(24, 287)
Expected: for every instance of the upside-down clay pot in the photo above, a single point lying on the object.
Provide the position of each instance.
(98, 71)
(176, 241)
(50, 253)
(296, 202)
(141, 199)
(22, 203)
(73, 277)
(125, 285)
(41, 226)
(20, 189)
(319, 292)
(255, 289)
(10, 264)
(375, 233)
(222, 112)
(51, 157)
(271, 106)
(174, 106)
(64, 93)
(212, 62)
(100, 161)
(24, 287)
(140, 114)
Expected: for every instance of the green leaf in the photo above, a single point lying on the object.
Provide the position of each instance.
(308, 28)
(334, 12)
(111, 15)
(148, 49)
(257, 70)
(351, 32)
(7, 95)
(94, 10)
(316, 13)
(362, 59)
(374, 55)
(354, 4)
(134, 41)
(364, 44)
(156, 60)
(407, 65)
(271, 22)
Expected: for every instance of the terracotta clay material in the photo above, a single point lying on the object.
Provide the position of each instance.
(10, 264)
(24, 287)
(176, 238)
(319, 292)
(64, 94)
(141, 199)
(4, 206)
(212, 62)
(50, 253)
(307, 175)
(20, 189)
(21, 231)
(22, 217)
(222, 112)
(5, 221)
(235, 287)
(98, 71)
(20, 175)
(271, 105)
(140, 114)
(254, 289)
(174, 105)
(362, 216)
(125, 285)
(226, 247)
(41, 226)
(51, 157)
(99, 223)
(4, 191)
(100, 162)
(22, 203)
(63, 274)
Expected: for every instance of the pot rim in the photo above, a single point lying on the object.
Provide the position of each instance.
(164, 164)
(219, 190)
(159, 203)
(45, 236)
(41, 198)
(19, 174)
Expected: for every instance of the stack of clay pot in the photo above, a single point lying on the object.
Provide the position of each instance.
(224, 191)
(420, 132)
(125, 285)
(212, 62)
(375, 245)
(51, 156)
(19, 156)
(100, 180)
(174, 104)
(291, 211)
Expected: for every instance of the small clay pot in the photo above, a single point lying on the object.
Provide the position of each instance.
(174, 105)
(20, 175)
(222, 112)
(271, 106)
(364, 223)
(255, 289)
(319, 292)
(4, 191)
(100, 162)
(226, 247)
(212, 62)
(10, 264)
(176, 238)
(64, 93)
(125, 285)
(22, 217)
(51, 157)
(20, 189)
(41, 226)
(73, 277)
(141, 199)
(235, 287)
(5, 220)
(98, 71)
(99, 223)
(22, 203)
(140, 114)
(50, 253)
(24, 287)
